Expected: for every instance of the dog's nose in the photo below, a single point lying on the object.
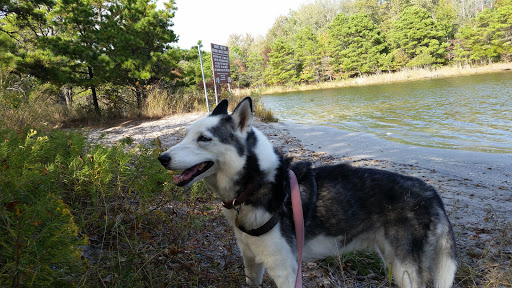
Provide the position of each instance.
(164, 159)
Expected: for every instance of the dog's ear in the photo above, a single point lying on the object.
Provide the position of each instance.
(242, 115)
(221, 108)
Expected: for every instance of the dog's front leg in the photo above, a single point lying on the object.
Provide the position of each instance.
(274, 253)
(282, 266)
(253, 270)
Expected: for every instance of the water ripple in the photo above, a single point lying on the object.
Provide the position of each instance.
(469, 113)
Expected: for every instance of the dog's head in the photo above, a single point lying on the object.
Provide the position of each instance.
(212, 145)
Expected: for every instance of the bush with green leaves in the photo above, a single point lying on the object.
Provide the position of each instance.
(58, 192)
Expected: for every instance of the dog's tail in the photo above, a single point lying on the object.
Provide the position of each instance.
(445, 257)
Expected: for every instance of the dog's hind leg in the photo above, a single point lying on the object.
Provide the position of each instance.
(445, 258)
(406, 275)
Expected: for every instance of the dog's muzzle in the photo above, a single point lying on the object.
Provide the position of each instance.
(164, 159)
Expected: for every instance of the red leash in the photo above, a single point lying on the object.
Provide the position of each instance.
(299, 223)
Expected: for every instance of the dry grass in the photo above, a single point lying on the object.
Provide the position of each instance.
(38, 114)
(161, 102)
(43, 112)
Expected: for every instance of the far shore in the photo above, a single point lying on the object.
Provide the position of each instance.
(408, 74)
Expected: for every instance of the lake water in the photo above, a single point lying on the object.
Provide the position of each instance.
(468, 112)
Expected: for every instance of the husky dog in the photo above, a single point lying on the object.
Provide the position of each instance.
(345, 207)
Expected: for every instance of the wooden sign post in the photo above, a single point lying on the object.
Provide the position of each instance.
(221, 70)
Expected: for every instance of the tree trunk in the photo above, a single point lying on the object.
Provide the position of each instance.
(66, 96)
(141, 95)
(138, 94)
(93, 92)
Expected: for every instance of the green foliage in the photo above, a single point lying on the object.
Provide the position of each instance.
(38, 235)
(137, 39)
(479, 41)
(445, 15)
(190, 66)
(357, 44)
(120, 49)
(255, 68)
(25, 13)
(282, 67)
(7, 44)
(417, 34)
(503, 26)
(308, 55)
(335, 32)
(88, 44)
(488, 38)
(368, 37)
(57, 188)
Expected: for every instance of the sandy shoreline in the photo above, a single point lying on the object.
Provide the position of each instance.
(483, 168)
(476, 187)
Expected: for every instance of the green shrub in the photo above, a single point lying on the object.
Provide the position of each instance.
(39, 242)
(58, 191)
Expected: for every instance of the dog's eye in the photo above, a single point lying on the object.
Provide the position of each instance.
(203, 139)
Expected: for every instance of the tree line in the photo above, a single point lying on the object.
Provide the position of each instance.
(111, 51)
(328, 40)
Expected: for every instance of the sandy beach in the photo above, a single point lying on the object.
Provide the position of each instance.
(475, 187)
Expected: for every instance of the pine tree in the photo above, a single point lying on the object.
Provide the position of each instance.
(445, 17)
(503, 27)
(308, 54)
(255, 68)
(358, 44)
(336, 42)
(137, 40)
(477, 41)
(88, 44)
(417, 34)
(282, 67)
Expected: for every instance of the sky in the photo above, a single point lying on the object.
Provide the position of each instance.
(212, 21)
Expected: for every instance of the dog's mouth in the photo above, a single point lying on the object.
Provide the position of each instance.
(190, 173)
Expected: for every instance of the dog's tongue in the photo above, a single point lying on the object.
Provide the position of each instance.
(185, 175)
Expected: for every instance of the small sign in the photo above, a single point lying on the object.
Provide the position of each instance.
(220, 60)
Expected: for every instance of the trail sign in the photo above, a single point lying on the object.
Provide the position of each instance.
(220, 61)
